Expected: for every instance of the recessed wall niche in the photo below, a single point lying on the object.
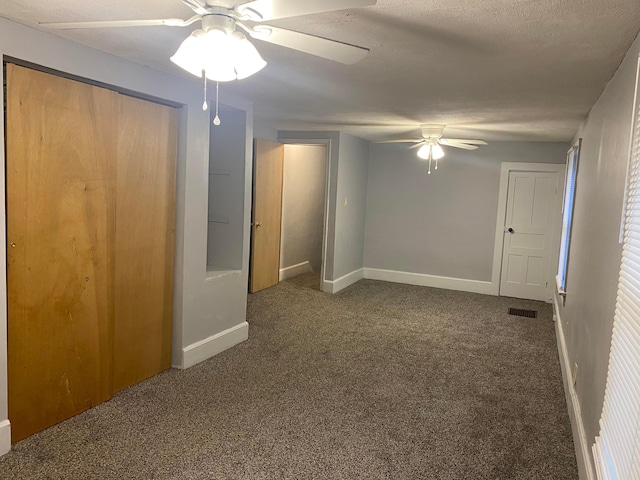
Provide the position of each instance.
(227, 150)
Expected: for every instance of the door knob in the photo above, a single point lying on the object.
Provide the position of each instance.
(511, 230)
(13, 245)
(258, 224)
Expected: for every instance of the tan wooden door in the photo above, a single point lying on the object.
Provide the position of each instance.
(90, 232)
(267, 214)
(144, 240)
(61, 170)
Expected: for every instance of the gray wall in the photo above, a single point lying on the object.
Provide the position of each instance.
(594, 253)
(303, 194)
(353, 166)
(265, 132)
(440, 224)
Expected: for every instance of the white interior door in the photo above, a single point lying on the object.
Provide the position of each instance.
(529, 227)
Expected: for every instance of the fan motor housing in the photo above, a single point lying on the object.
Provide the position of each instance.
(432, 131)
(218, 21)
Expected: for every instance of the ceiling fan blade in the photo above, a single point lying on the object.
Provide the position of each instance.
(321, 47)
(464, 146)
(271, 10)
(167, 22)
(401, 140)
(196, 6)
(445, 141)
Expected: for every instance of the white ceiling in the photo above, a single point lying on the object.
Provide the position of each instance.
(491, 69)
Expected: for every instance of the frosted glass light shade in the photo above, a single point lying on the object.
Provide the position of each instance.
(223, 56)
(248, 60)
(424, 151)
(437, 152)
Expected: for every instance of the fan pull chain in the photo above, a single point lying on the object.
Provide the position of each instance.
(205, 106)
(436, 163)
(429, 172)
(216, 120)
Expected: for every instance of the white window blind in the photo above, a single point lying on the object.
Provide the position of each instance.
(567, 214)
(617, 448)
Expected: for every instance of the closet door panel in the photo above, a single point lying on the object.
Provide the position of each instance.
(144, 247)
(61, 172)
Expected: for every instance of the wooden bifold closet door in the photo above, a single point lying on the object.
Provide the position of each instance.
(90, 240)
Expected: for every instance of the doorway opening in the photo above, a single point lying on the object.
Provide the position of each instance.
(289, 220)
(303, 205)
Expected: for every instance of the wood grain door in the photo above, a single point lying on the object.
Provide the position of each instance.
(90, 233)
(61, 171)
(267, 214)
(144, 240)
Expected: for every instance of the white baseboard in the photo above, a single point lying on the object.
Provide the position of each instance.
(474, 286)
(583, 456)
(209, 347)
(5, 437)
(295, 270)
(334, 286)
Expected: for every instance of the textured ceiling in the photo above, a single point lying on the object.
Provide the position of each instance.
(492, 69)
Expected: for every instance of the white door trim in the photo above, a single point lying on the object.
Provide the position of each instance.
(325, 286)
(505, 170)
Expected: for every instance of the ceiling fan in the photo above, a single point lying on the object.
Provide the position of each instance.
(430, 145)
(220, 51)
(224, 24)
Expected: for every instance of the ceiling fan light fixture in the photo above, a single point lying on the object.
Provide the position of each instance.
(430, 150)
(224, 56)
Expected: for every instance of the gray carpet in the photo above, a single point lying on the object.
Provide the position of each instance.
(381, 381)
(306, 280)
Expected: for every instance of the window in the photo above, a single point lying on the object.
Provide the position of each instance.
(617, 448)
(567, 214)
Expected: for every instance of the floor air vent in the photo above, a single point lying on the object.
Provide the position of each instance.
(523, 313)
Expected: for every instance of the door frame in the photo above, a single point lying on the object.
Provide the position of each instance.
(324, 285)
(556, 220)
